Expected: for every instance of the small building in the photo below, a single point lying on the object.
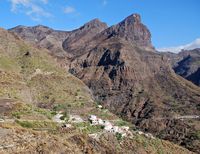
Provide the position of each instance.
(109, 128)
(100, 106)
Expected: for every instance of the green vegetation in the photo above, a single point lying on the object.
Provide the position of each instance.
(8, 64)
(118, 136)
(37, 124)
(65, 116)
(121, 122)
(23, 110)
(19, 80)
(86, 127)
(156, 144)
(197, 135)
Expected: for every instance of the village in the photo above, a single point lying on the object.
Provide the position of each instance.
(108, 126)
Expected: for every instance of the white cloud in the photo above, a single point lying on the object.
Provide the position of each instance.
(30, 8)
(69, 10)
(15, 3)
(189, 46)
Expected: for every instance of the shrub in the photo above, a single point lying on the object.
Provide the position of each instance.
(118, 136)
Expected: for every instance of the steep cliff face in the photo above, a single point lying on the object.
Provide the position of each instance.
(128, 77)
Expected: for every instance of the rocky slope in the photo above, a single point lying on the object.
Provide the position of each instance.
(187, 64)
(33, 87)
(132, 80)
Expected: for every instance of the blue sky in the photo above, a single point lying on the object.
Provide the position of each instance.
(171, 22)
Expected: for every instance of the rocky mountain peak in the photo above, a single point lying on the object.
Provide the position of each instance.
(132, 30)
(95, 23)
(41, 27)
(134, 18)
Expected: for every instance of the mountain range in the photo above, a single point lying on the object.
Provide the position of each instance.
(123, 72)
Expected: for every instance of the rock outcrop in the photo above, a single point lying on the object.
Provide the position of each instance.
(132, 30)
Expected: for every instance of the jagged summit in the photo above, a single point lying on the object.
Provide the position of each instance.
(133, 18)
(132, 30)
(96, 22)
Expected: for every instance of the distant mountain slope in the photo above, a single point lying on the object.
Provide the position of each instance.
(187, 64)
(126, 74)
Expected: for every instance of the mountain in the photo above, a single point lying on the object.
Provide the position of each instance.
(187, 64)
(80, 37)
(127, 76)
(190, 46)
(34, 88)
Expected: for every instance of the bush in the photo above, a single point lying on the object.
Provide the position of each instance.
(118, 136)
(121, 123)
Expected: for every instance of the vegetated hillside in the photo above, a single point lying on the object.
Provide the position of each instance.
(33, 76)
(126, 74)
(33, 88)
(187, 65)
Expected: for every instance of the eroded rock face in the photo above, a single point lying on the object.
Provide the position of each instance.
(128, 77)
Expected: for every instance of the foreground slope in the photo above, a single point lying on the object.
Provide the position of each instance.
(126, 74)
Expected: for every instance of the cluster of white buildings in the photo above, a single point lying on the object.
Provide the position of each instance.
(108, 126)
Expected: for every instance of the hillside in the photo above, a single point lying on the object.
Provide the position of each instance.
(33, 88)
(127, 76)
